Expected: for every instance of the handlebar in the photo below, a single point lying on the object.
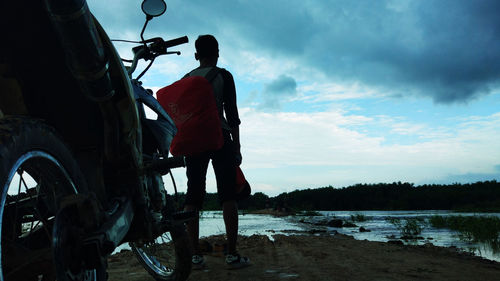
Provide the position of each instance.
(176, 41)
(157, 47)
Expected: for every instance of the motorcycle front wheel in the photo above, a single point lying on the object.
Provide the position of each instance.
(37, 170)
(168, 257)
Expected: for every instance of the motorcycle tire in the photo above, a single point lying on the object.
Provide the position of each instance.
(168, 258)
(68, 252)
(36, 171)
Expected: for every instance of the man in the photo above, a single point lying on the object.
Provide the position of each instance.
(224, 160)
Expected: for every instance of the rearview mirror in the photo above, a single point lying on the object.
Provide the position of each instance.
(154, 8)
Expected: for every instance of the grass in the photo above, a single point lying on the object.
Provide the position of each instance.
(358, 217)
(473, 228)
(482, 229)
(408, 227)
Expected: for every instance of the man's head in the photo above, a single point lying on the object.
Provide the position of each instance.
(206, 47)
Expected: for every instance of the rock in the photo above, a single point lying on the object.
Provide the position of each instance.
(395, 242)
(316, 231)
(335, 223)
(362, 229)
(409, 237)
(348, 224)
(428, 245)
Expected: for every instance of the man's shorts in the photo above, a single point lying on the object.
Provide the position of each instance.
(224, 165)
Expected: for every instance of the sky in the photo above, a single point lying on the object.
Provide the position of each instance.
(340, 92)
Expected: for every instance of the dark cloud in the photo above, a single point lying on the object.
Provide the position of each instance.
(278, 91)
(443, 49)
(447, 50)
(282, 86)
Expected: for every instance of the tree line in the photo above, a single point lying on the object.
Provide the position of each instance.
(479, 196)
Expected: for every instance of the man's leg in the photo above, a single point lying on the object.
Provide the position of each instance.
(225, 174)
(224, 165)
(196, 170)
(230, 213)
(193, 229)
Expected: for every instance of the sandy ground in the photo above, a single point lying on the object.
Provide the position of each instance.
(338, 257)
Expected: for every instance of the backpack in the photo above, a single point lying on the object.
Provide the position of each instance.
(190, 102)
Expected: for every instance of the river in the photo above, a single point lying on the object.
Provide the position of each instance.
(211, 223)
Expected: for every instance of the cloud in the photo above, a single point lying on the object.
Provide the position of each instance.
(446, 50)
(467, 178)
(278, 91)
(284, 85)
(326, 140)
(330, 52)
(441, 49)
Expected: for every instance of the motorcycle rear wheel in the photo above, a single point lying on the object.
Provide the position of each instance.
(36, 171)
(68, 252)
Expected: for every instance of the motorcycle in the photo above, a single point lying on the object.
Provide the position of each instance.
(81, 165)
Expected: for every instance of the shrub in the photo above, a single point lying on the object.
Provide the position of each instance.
(474, 228)
(408, 227)
(358, 217)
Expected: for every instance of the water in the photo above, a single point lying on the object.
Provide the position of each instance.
(211, 223)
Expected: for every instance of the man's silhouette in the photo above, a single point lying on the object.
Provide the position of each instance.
(224, 160)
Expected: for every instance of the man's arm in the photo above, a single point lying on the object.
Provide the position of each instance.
(230, 106)
(231, 112)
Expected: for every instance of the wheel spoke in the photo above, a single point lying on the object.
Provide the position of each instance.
(40, 217)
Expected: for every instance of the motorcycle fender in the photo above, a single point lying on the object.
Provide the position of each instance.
(11, 97)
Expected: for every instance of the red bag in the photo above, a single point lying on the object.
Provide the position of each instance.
(243, 189)
(190, 102)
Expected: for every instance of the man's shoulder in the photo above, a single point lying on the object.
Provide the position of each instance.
(221, 70)
(225, 73)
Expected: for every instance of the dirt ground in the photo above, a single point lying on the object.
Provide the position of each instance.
(337, 257)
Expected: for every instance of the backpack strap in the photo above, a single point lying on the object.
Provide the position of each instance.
(212, 73)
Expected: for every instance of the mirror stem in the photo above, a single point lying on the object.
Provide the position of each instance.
(148, 18)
